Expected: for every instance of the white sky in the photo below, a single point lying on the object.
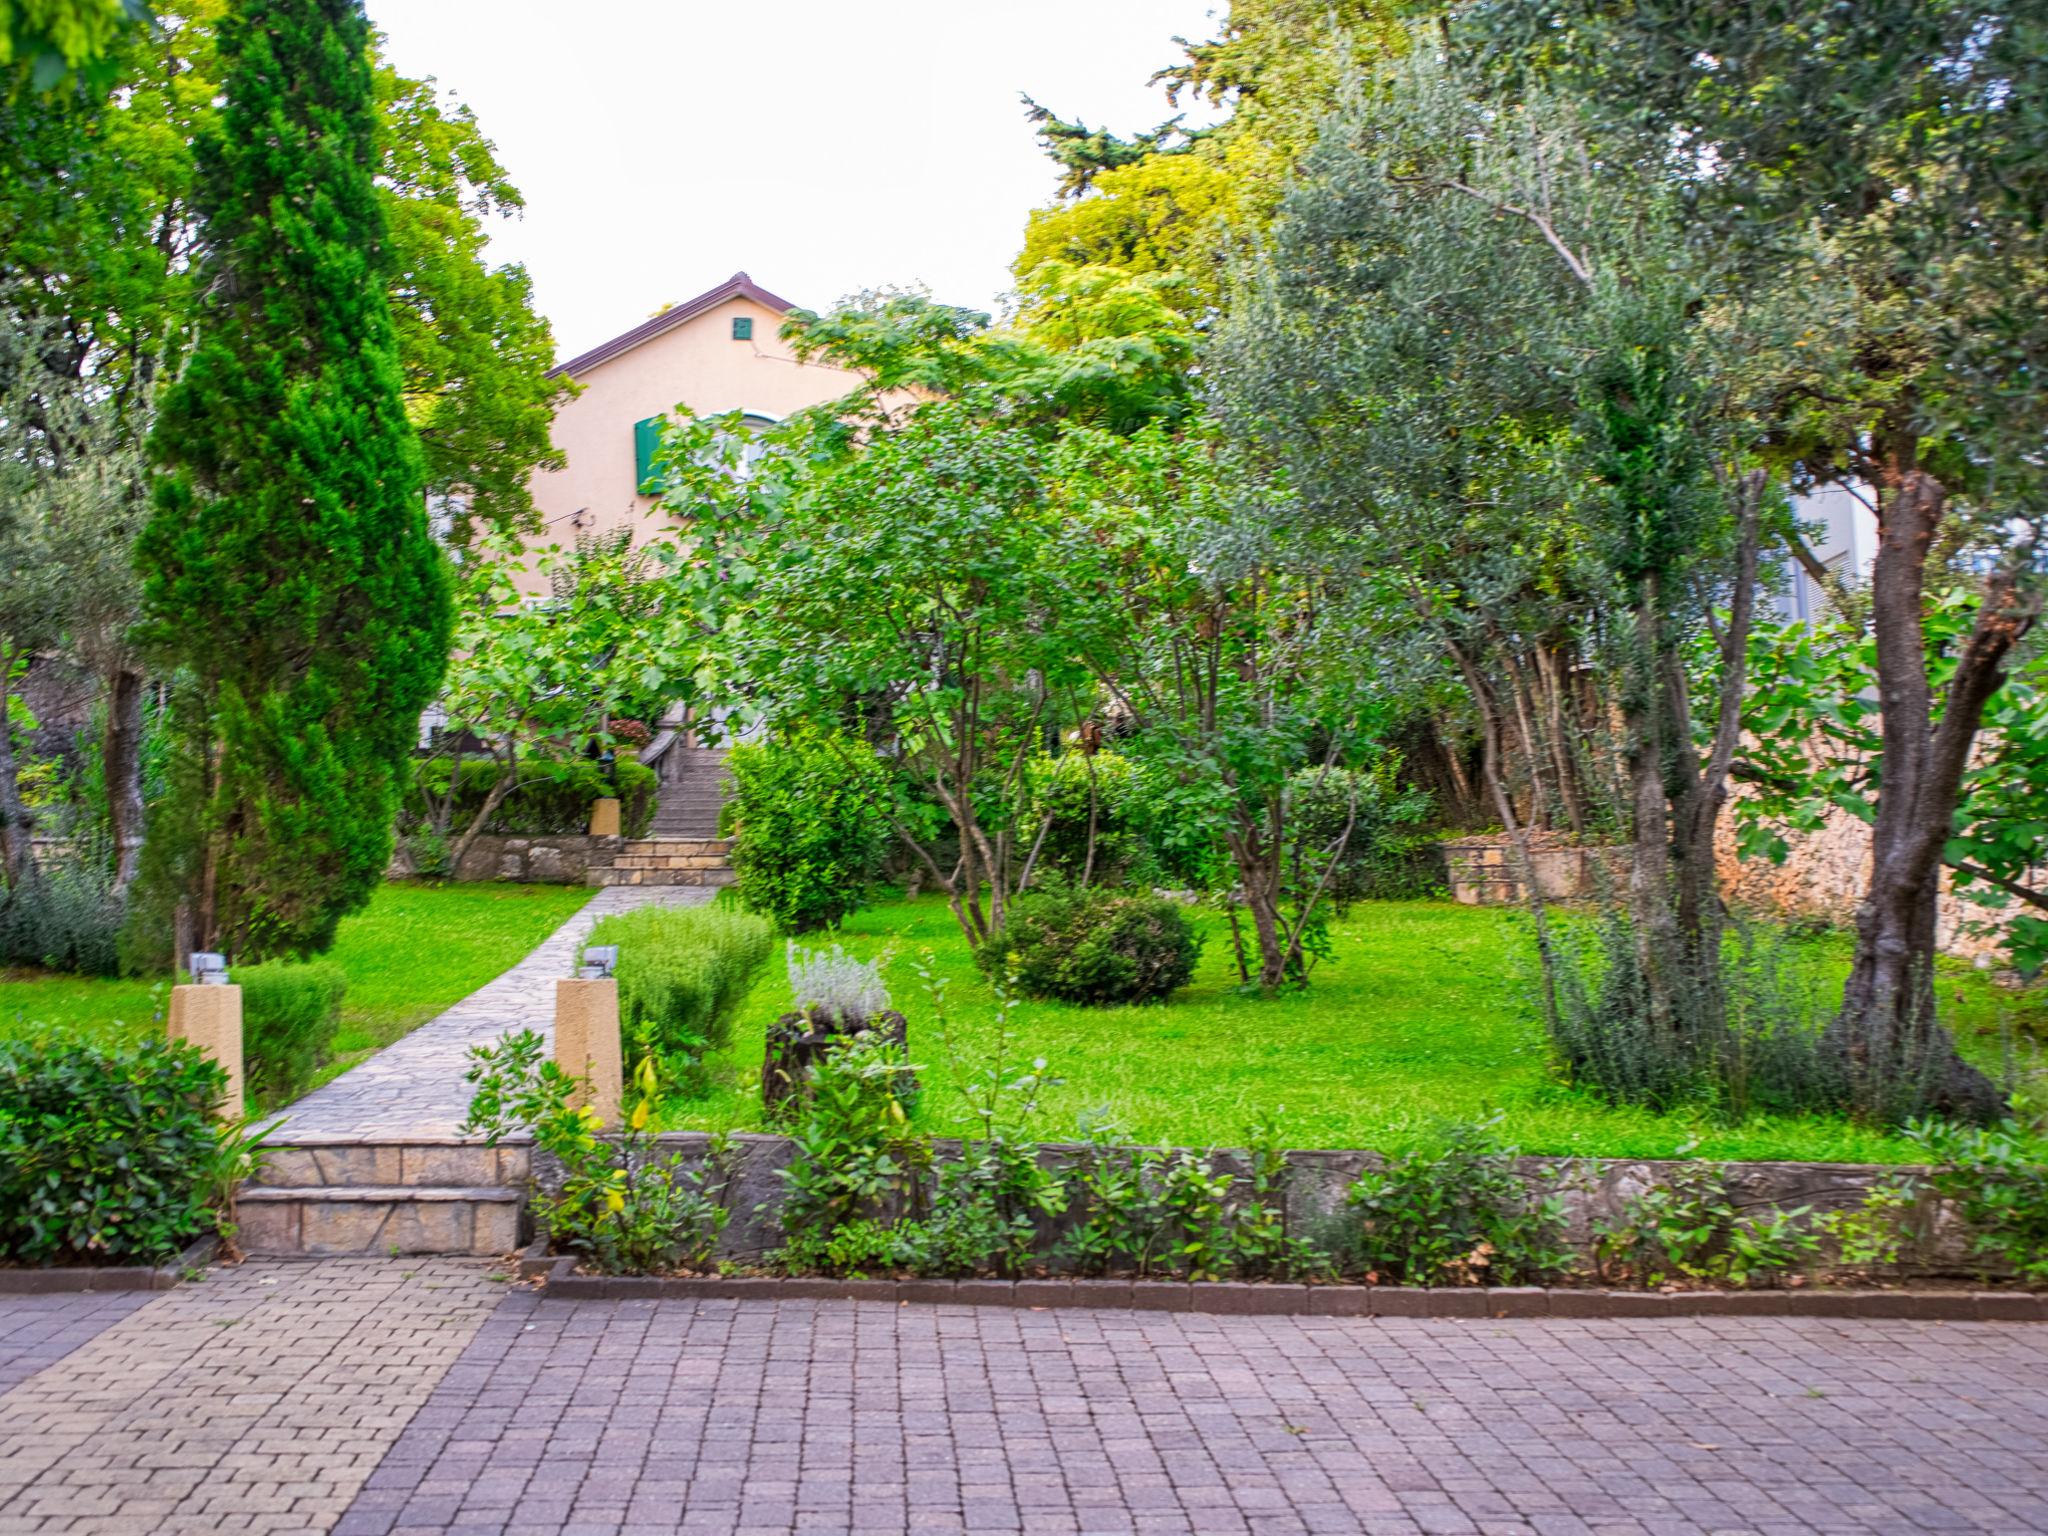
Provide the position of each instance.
(823, 146)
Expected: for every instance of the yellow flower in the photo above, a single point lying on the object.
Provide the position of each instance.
(640, 1116)
(614, 1201)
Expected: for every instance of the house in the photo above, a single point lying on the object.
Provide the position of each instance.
(718, 352)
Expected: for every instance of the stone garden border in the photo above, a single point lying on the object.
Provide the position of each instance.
(28, 1280)
(1243, 1298)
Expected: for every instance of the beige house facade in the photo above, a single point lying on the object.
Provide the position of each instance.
(718, 352)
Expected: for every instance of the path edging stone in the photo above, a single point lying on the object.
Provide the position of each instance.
(1232, 1298)
(73, 1279)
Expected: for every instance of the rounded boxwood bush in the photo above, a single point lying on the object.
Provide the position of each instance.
(108, 1148)
(1093, 945)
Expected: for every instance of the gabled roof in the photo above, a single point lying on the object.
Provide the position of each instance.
(738, 286)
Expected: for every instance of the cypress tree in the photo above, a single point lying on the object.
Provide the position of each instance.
(289, 576)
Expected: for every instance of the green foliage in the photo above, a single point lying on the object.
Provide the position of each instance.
(1747, 1037)
(67, 918)
(1815, 742)
(1689, 1227)
(552, 797)
(682, 972)
(290, 1013)
(1185, 1213)
(1872, 1235)
(1091, 945)
(618, 1207)
(857, 1157)
(809, 822)
(1373, 816)
(1997, 1178)
(288, 566)
(1093, 814)
(1459, 1215)
(108, 1150)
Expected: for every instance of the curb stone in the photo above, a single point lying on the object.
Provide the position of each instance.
(1242, 1298)
(75, 1278)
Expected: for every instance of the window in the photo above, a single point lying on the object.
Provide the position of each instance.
(743, 328)
(646, 443)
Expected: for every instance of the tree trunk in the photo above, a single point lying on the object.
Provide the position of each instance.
(122, 754)
(508, 777)
(1646, 711)
(1897, 1056)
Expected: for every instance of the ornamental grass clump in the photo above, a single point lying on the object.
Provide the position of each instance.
(682, 973)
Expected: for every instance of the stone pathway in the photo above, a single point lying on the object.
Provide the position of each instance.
(258, 1400)
(371, 1397)
(412, 1090)
(609, 1418)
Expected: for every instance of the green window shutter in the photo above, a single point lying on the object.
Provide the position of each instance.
(743, 328)
(646, 443)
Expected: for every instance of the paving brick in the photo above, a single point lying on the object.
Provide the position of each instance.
(1065, 1420)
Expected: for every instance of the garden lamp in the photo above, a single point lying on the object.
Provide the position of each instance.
(599, 961)
(209, 969)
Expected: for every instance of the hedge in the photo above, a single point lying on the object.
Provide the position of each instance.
(290, 1012)
(553, 798)
(108, 1149)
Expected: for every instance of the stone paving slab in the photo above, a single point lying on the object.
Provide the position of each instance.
(412, 1090)
(37, 1331)
(606, 1418)
(257, 1400)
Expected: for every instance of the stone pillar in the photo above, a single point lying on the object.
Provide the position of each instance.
(587, 1043)
(211, 1018)
(604, 817)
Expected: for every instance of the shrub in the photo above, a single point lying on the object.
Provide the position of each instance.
(1093, 945)
(553, 798)
(618, 1206)
(834, 985)
(290, 1012)
(682, 972)
(808, 826)
(1062, 792)
(1384, 858)
(68, 918)
(1689, 1226)
(1457, 1216)
(1747, 1038)
(1998, 1180)
(108, 1151)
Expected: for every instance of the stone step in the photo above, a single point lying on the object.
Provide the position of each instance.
(455, 1163)
(279, 1221)
(722, 875)
(676, 847)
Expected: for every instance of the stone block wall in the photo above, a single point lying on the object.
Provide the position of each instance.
(1823, 878)
(563, 860)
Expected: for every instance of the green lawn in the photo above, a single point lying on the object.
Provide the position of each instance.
(1419, 1018)
(413, 951)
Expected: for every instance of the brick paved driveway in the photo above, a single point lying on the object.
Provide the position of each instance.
(380, 1397)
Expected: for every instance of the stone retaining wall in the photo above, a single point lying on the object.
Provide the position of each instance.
(539, 860)
(1593, 1189)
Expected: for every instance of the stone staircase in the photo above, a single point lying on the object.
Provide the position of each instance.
(323, 1198)
(692, 793)
(682, 847)
(668, 861)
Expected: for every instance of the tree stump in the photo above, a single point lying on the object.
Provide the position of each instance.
(798, 1041)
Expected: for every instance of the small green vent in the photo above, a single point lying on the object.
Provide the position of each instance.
(743, 328)
(646, 443)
